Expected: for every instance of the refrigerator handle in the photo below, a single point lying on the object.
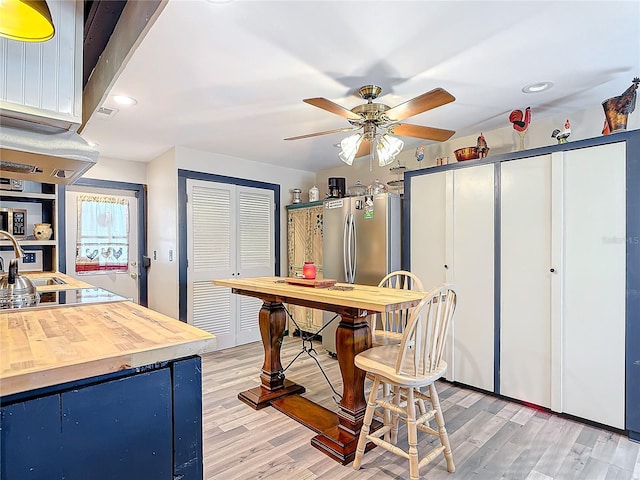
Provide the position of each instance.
(345, 251)
(354, 256)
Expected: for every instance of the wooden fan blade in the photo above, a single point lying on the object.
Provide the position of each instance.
(364, 148)
(337, 130)
(418, 131)
(329, 106)
(422, 103)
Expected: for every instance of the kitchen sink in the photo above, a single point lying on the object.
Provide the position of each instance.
(44, 281)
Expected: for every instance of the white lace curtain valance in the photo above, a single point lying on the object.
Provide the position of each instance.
(102, 243)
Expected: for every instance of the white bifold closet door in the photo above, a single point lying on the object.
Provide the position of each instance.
(230, 234)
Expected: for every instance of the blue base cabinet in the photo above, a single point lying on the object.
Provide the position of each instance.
(144, 423)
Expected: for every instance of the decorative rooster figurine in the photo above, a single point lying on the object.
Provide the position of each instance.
(562, 136)
(520, 122)
(616, 109)
(482, 147)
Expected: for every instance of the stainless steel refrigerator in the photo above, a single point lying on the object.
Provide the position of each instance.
(360, 244)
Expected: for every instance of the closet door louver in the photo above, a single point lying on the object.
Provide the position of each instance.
(230, 234)
(255, 253)
(211, 254)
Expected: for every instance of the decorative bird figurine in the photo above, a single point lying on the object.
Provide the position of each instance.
(626, 103)
(420, 153)
(520, 122)
(617, 109)
(91, 255)
(481, 146)
(562, 135)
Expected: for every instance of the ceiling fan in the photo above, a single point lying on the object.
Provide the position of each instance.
(379, 122)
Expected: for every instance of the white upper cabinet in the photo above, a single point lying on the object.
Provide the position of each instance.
(42, 82)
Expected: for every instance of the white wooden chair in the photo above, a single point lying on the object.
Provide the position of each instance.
(392, 324)
(416, 362)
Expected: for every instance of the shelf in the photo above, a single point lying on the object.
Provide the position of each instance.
(395, 183)
(28, 243)
(400, 168)
(20, 195)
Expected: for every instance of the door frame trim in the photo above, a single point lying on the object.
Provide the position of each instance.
(183, 176)
(140, 192)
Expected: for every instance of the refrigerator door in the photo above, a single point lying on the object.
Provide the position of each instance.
(335, 249)
(334, 234)
(372, 228)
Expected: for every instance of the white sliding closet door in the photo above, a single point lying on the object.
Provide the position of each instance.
(230, 234)
(472, 275)
(525, 296)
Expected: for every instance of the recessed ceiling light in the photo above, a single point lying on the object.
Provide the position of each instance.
(537, 87)
(124, 100)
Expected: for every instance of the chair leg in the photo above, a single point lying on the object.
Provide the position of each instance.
(366, 424)
(444, 438)
(412, 434)
(397, 399)
(386, 391)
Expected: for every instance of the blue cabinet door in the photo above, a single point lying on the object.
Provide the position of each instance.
(119, 429)
(30, 440)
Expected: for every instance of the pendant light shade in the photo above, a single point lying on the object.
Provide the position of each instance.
(26, 20)
(388, 148)
(349, 148)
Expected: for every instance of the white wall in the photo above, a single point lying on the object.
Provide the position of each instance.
(585, 124)
(162, 233)
(118, 171)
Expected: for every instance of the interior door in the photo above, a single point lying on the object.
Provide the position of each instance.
(230, 234)
(122, 283)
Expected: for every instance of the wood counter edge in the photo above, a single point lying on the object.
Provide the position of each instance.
(67, 371)
(47, 377)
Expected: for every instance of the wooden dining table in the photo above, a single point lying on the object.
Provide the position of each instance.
(337, 432)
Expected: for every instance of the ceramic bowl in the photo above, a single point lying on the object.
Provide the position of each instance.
(466, 153)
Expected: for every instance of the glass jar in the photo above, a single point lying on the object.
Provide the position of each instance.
(377, 187)
(309, 270)
(356, 190)
(314, 194)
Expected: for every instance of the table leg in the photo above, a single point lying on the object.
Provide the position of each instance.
(352, 337)
(272, 322)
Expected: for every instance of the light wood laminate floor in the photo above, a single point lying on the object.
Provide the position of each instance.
(491, 438)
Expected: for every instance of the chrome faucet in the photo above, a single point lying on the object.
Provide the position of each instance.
(16, 247)
(13, 263)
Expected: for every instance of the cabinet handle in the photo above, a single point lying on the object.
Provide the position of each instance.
(552, 270)
(446, 267)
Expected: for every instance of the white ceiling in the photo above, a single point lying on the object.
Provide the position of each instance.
(229, 78)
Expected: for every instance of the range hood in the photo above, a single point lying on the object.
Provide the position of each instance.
(44, 154)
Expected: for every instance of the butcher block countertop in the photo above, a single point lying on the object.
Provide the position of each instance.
(49, 346)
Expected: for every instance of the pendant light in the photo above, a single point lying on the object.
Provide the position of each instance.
(26, 20)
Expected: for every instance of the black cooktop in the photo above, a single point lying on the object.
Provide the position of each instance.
(77, 296)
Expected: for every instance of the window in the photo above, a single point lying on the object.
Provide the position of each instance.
(102, 243)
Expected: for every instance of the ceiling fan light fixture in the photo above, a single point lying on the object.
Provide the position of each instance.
(26, 20)
(349, 148)
(388, 148)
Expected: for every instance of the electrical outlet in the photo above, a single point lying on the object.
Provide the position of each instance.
(29, 257)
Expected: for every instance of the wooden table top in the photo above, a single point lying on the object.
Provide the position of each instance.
(48, 346)
(364, 297)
